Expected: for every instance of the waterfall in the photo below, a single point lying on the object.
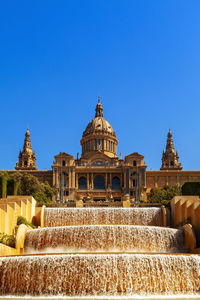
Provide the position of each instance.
(105, 252)
(102, 216)
(102, 274)
(104, 238)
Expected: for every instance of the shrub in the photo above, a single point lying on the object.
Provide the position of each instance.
(12, 186)
(8, 240)
(164, 195)
(22, 220)
(3, 186)
(30, 185)
(191, 188)
(41, 198)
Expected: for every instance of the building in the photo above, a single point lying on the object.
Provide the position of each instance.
(99, 174)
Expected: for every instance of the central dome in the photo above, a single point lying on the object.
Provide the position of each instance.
(98, 124)
(99, 135)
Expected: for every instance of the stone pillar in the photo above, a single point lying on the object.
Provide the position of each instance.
(70, 185)
(54, 178)
(88, 183)
(92, 181)
(57, 184)
(73, 178)
(106, 181)
(104, 141)
(77, 181)
(127, 174)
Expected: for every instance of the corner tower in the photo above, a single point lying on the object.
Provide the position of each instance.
(27, 159)
(99, 136)
(170, 157)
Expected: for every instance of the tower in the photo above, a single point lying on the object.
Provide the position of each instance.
(170, 157)
(27, 159)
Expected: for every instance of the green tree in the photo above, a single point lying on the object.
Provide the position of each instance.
(165, 194)
(30, 185)
(41, 198)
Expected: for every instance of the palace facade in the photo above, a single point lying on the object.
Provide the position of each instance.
(99, 174)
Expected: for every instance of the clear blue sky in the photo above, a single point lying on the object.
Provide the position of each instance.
(141, 57)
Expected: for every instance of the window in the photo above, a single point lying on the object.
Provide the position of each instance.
(99, 183)
(82, 184)
(115, 183)
(95, 144)
(25, 162)
(134, 182)
(102, 146)
(63, 163)
(134, 163)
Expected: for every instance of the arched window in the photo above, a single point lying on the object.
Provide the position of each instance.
(115, 183)
(82, 184)
(99, 183)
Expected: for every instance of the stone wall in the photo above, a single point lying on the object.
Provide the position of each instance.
(13, 207)
(42, 175)
(161, 178)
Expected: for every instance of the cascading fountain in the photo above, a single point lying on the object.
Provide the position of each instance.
(105, 238)
(99, 256)
(102, 216)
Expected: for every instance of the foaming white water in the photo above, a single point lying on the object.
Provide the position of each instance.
(119, 275)
(156, 297)
(102, 216)
(104, 238)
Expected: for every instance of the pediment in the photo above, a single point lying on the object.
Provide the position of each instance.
(135, 155)
(64, 155)
(99, 156)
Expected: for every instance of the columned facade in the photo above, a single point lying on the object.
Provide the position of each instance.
(99, 175)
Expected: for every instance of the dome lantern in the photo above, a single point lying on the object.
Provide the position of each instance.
(99, 109)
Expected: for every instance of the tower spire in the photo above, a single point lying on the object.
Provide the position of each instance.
(170, 156)
(27, 159)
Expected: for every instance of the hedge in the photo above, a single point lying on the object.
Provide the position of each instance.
(3, 187)
(12, 186)
(191, 188)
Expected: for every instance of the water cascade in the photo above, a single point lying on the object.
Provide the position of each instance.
(102, 216)
(105, 238)
(104, 252)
